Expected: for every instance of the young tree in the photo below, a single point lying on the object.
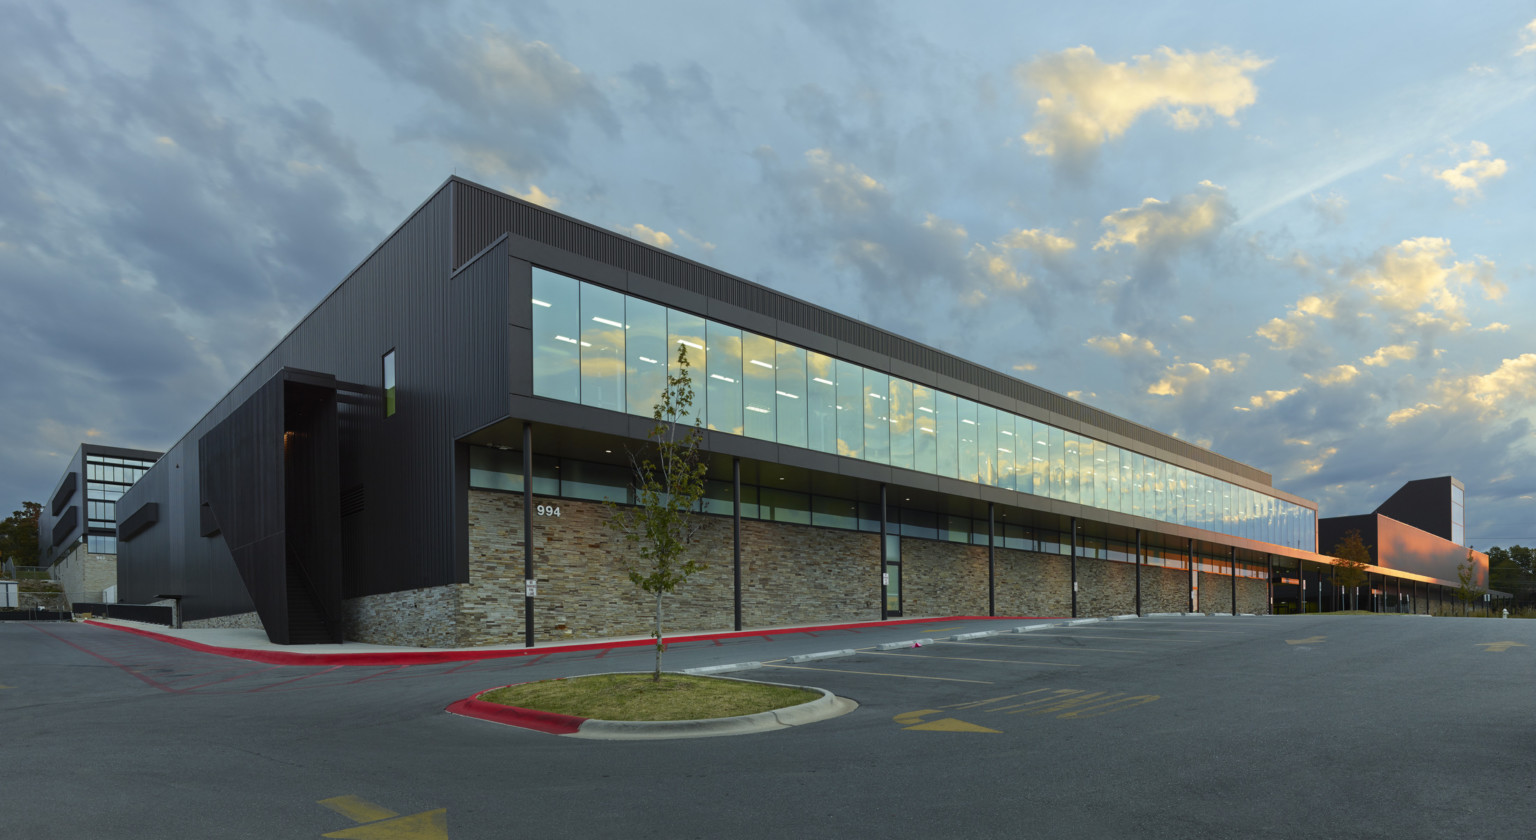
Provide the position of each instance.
(18, 535)
(1469, 590)
(1351, 557)
(660, 526)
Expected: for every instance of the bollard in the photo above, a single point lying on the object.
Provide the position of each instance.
(1506, 612)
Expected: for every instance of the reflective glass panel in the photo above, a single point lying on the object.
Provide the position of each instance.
(602, 348)
(986, 444)
(1072, 468)
(645, 355)
(949, 434)
(821, 402)
(850, 409)
(902, 423)
(877, 417)
(1058, 463)
(925, 440)
(966, 430)
(1111, 477)
(389, 396)
(556, 331)
(1040, 458)
(723, 383)
(760, 370)
(1100, 474)
(686, 334)
(791, 395)
(1007, 450)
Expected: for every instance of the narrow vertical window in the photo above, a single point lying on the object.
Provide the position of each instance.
(389, 384)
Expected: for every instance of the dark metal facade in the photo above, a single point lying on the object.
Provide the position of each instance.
(401, 476)
(63, 521)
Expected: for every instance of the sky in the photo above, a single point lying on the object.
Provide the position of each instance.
(1300, 234)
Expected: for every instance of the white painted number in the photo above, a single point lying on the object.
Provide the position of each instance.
(548, 510)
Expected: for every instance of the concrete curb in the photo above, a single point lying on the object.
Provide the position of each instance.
(825, 707)
(816, 657)
(711, 670)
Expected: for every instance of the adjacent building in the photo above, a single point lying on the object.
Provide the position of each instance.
(425, 459)
(78, 527)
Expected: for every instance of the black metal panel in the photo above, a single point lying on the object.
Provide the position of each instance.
(449, 334)
(147, 515)
(66, 490)
(66, 524)
(1425, 504)
(481, 215)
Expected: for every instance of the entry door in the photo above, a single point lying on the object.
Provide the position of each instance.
(893, 575)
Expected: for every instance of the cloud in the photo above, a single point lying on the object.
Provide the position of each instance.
(1123, 345)
(1180, 377)
(1269, 398)
(504, 105)
(648, 236)
(1330, 208)
(537, 196)
(1419, 280)
(1467, 177)
(1045, 242)
(1158, 225)
(1337, 375)
(1494, 327)
(1088, 102)
(1392, 353)
(1527, 39)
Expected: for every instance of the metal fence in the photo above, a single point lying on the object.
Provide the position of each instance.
(128, 612)
(34, 615)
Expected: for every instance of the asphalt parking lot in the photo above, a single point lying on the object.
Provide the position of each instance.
(1369, 726)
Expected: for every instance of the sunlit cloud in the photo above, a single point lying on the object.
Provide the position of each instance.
(1269, 398)
(648, 236)
(1088, 102)
(1527, 39)
(842, 186)
(1157, 224)
(1494, 327)
(1466, 178)
(537, 196)
(1392, 353)
(1180, 377)
(1123, 344)
(1315, 464)
(1420, 277)
(1045, 242)
(1336, 375)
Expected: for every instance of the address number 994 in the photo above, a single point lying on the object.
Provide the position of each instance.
(548, 510)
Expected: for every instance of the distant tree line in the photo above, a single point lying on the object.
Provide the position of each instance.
(1513, 570)
(18, 535)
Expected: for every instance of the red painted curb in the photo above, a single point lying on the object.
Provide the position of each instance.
(429, 657)
(552, 722)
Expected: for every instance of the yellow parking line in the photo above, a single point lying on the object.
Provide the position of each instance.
(973, 659)
(877, 674)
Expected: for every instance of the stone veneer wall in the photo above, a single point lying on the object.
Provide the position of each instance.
(1216, 594)
(791, 574)
(84, 575)
(238, 621)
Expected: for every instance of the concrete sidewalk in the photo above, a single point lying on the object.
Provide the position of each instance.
(253, 645)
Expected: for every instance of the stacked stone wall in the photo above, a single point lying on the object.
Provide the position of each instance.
(85, 575)
(791, 574)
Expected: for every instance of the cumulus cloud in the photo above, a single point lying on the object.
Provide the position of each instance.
(1269, 398)
(1123, 344)
(648, 236)
(1527, 39)
(537, 196)
(1392, 353)
(1045, 242)
(1088, 102)
(1466, 178)
(1336, 375)
(1420, 279)
(1158, 225)
(1181, 376)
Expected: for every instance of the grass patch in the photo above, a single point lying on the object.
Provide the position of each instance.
(638, 697)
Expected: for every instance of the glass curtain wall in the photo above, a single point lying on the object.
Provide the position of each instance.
(601, 348)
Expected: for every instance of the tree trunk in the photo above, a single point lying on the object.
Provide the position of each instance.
(659, 644)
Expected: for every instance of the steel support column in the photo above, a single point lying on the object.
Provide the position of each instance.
(1232, 567)
(1074, 567)
(883, 579)
(991, 559)
(736, 535)
(528, 579)
(1138, 571)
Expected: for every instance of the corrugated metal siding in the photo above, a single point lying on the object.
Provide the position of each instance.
(481, 215)
(403, 465)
